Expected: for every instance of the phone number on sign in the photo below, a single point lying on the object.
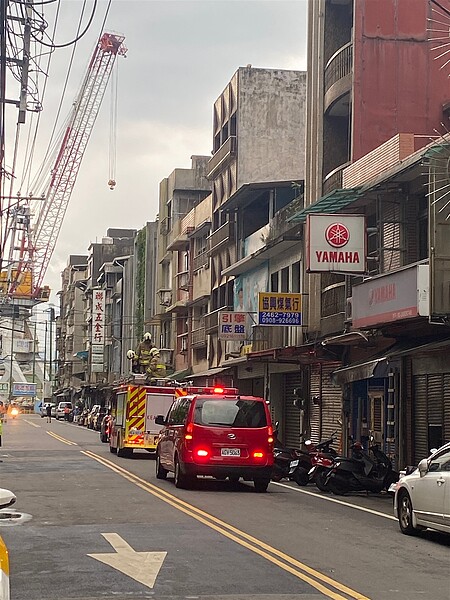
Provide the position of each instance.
(279, 318)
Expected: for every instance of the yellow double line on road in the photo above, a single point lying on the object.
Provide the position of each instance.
(61, 439)
(324, 584)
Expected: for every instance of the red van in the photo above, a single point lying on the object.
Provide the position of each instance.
(218, 434)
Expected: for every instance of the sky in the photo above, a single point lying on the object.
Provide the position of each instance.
(181, 55)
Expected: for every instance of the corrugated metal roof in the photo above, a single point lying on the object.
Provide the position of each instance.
(330, 203)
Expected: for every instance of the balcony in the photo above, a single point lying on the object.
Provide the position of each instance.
(199, 337)
(201, 260)
(178, 237)
(338, 80)
(212, 319)
(333, 306)
(165, 296)
(226, 151)
(334, 180)
(183, 281)
(225, 234)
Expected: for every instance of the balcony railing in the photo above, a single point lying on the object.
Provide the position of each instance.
(226, 150)
(333, 299)
(333, 181)
(212, 319)
(340, 65)
(201, 260)
(223, 235)
(183, 281)
(199, 337)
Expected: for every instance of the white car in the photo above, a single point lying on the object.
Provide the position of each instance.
(60, 409)
(422, 499)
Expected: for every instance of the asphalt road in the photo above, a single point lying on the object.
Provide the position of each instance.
(216, 542)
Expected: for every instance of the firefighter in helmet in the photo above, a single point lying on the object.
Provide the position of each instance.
(156, 368)
(142, 353)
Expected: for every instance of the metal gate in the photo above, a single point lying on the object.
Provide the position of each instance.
(326, 401)
(429, 414)
(292, 415)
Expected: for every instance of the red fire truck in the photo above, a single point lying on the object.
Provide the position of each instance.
(134, 408)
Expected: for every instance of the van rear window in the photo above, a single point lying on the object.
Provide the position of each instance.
(215, 412)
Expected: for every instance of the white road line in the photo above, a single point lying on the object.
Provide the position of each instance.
(336, 501)
(30, 423)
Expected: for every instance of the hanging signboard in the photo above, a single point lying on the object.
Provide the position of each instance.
(24, 389)
(4, 387)
(98, 330)
(336, 243)
(279, 309)
(233, 326)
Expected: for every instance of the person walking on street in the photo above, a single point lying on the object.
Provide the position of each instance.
(48, 411)
(66, 413)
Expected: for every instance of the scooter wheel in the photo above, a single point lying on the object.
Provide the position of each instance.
(320, 479)
(300, 476)
(336, 487)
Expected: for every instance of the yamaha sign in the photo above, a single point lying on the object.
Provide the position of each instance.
(336, 243)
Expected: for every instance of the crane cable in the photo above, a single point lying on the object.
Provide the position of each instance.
(113, 127)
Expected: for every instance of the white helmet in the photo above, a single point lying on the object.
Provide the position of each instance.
(131, 354)
(147, 336)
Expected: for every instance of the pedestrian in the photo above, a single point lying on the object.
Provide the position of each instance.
(48, 411)
(66, 413)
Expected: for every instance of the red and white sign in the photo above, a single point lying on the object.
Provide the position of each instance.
(336, 243)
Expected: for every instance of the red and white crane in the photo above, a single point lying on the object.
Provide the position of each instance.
(35, 223)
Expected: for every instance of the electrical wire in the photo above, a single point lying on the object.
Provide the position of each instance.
(74, 41)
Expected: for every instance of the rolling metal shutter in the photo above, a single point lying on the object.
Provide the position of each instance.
(420, 418)
(446, 402)
(331, 401)
(314, 410)
(291, 413)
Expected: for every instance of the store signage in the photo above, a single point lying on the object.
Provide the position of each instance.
(336, 243)
(98, 331)
(22, 346)
(279, 309)
(4, 387)
(233, 326)
(24, 389)
(392, 297)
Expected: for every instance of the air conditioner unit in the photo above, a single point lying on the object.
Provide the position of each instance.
(348, 310)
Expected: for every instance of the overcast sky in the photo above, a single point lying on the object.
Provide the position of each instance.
(181, 54)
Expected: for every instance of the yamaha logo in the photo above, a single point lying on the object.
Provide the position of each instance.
(337, 235)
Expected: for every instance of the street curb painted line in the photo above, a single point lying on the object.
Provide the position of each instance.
(336, 501)
(61, 439)
(252, 543)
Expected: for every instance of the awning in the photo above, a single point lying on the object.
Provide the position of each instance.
(365, 370)
(180, 375)
(210, 372)
(330, 203)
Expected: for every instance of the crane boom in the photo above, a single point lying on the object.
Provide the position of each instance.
(49, 220)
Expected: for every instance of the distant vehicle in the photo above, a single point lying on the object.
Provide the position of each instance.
(43, 409)
(220, 434)
(105, 427)
(422, 498)
(91, 416)
(98, 417)
(60, 409)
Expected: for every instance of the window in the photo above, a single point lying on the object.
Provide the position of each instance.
(178, 412)
(441, 462)
(215, 412)
(295, 278)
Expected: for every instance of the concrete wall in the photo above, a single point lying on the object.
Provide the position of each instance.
(271, 125)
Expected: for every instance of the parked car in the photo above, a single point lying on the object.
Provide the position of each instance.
(221, 435)
(422, 498)
(91, 415)
(60, 409)
(98, 417)
(43, 409)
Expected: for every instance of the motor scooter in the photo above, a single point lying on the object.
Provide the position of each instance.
(319, 458)
(361, 472)
(283, 458)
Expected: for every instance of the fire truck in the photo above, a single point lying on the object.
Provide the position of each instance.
(134, 408)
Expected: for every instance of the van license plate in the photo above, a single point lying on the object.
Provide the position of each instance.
(230, 452)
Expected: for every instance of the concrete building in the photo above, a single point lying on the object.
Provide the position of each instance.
(183, 190)
(371, 78)
(70, 339)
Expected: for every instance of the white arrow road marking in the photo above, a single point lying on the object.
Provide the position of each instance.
(140, 566)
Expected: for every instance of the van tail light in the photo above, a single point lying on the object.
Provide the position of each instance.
(189, 431)
(270, 439)
(258, 454)
(202, 453)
